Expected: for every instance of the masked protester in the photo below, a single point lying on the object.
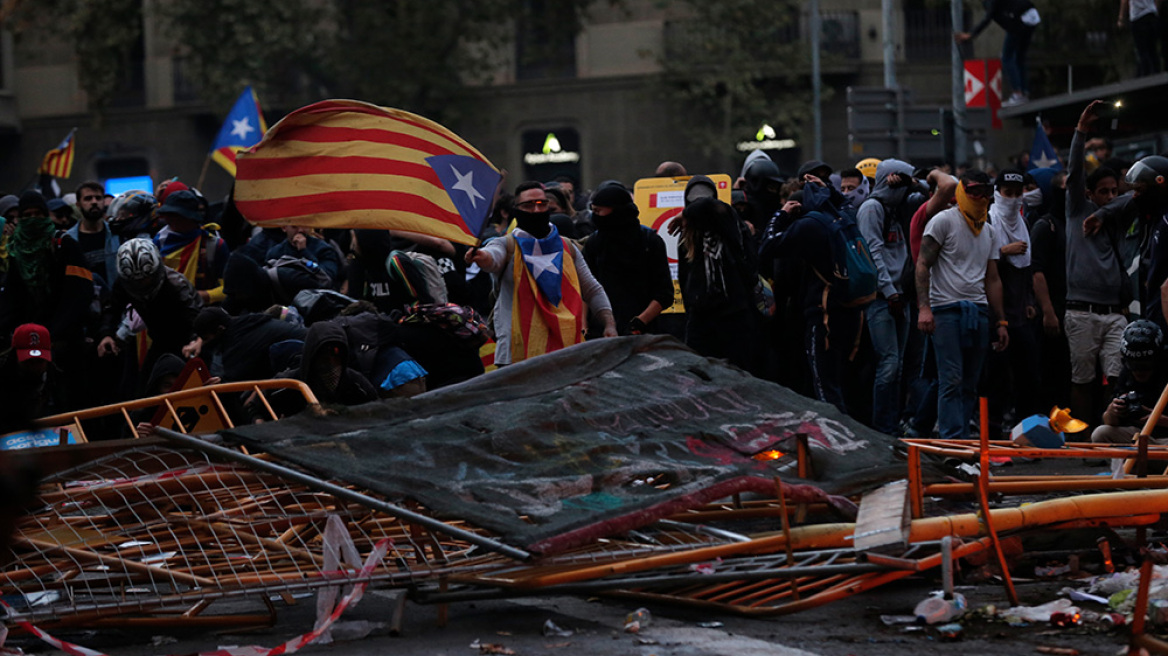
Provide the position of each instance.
(718, 271)
(48, 284)
(545, 283)
(1017, 368)
(163, 299)
(960, 296)
(630, 262)
(763, 184)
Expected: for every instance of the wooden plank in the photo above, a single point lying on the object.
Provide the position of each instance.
(884, 519)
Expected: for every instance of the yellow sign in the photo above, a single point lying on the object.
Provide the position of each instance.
(659, 201)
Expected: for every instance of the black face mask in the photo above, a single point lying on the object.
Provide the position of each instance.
(623, 218)
(533, 223)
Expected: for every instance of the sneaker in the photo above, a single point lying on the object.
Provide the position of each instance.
(1015, 99)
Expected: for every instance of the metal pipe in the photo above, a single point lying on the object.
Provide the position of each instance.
(960, 150)
(816, 28)
(889, 44)
(342, 493)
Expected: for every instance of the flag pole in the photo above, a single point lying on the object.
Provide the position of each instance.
(203, 173)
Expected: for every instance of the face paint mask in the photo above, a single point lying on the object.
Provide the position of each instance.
(1032, 198)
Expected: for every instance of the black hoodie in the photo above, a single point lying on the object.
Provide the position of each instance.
(352, 388)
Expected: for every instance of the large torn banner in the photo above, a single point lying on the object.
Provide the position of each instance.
(592, 440)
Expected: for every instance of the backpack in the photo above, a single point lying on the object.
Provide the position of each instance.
(417, 276)
(291, 275)
(461, 321)
(853, 274)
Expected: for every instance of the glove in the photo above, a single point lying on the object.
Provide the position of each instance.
(637, 327)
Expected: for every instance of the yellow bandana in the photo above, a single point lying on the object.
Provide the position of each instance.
(973, 210)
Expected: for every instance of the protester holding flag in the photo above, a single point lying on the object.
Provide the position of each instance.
(544, 284)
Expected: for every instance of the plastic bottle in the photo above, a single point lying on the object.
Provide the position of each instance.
(637, 620)
(937, 609)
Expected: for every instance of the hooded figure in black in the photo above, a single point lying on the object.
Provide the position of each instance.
(324, 367)
(717, 271)
(630, 262)
(831, 330)
(763, 184)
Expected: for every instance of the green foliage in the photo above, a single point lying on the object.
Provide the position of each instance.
(733, 64)
(414, 54)
(227, 44)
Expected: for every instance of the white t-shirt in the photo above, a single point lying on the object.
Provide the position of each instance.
(959, 274)
(1137, 9)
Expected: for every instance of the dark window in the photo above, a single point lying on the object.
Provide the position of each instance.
(131, 87)
(545, 41)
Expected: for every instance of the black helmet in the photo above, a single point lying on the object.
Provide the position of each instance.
(1142, 340)
(134, 215)
(1150, 172)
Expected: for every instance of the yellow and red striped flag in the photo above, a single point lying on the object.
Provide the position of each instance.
(349, 164)
(58, 162)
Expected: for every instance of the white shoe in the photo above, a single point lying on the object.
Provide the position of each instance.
(1015, 100)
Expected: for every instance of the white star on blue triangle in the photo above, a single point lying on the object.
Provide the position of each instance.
(545, 261)
(470, 184)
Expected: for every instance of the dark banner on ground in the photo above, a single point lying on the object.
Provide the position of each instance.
(596, 439)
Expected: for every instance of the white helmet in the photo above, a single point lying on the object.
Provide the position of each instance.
(140, 263)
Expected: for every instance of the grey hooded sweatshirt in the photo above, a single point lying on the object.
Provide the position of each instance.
(886, 239)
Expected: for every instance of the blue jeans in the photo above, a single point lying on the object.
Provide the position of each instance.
(960, 342)
(1014, 50)
(888, 329)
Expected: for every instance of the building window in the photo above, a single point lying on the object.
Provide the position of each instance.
(545, 41)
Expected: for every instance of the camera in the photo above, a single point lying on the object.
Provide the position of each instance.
(1131, 404)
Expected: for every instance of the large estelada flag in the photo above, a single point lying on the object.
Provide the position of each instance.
(243, 128)
(349, 164)
(547, 310)
(58, 162)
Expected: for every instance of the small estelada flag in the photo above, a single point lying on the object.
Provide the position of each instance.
(58, 162)
(349, 164)
(243, 128)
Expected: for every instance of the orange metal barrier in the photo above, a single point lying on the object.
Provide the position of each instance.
(172, 402)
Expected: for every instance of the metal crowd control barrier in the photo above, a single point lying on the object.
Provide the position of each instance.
(174, 400)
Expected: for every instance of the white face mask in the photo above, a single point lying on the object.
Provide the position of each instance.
(1006, 206)
(1032, 198)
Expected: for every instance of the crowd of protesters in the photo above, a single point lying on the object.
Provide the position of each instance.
(1036, 288)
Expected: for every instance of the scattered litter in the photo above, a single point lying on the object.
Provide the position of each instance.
(893, 620)
(1065, 619)
(491, 648)
(160, 640)
(1079, 595)
(938, 610)
(951, 632)
(646, 641)
(550, 629)
(710, 625)
(637, 620)
(706, 568)
(1060, 651)
(1158, 612)
(354, 630)
(1038, 613)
